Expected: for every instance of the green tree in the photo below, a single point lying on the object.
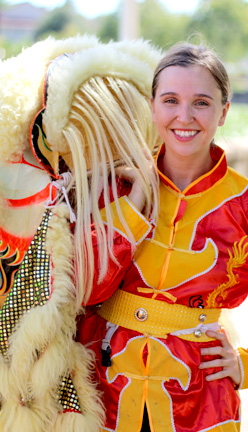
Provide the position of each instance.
(108, 27)
(62, 22)
(54, 23)
(160, 26)
(223, 24)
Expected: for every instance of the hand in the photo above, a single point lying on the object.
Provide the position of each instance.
(228, 360)
(137, 195)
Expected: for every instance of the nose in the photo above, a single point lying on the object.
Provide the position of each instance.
(185, 113)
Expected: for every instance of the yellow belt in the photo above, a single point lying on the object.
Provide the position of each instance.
(155, 317)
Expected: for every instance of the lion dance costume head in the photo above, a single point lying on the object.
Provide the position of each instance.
(71, 112)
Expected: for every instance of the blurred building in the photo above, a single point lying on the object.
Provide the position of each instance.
(18, 22)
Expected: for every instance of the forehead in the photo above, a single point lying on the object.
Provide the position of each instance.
(190, 79)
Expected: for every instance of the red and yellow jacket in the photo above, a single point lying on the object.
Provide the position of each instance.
(184, 270)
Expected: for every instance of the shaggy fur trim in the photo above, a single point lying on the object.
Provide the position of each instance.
(142, 50)
(17, 418)
(83, 383)
(93, 417)
(133, 62)
(33, 378)
(21, 90)
(76, 423)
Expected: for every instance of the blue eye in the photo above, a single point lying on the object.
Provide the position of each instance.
(202, 103)
(170, 101)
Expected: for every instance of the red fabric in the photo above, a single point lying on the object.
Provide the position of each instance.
(205, 181)
(203, 404)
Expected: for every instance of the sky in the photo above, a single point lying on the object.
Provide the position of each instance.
(93, 8)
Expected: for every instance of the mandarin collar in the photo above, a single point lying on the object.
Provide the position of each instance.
(203, 182)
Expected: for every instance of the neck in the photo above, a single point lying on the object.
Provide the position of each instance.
(182, 171)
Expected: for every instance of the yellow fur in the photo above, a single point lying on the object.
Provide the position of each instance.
(21, 90)
(42, 349)
(48, 330)
(133, 63)
(74, 422)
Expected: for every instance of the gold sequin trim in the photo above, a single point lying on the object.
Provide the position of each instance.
(67, 395)
(31, 286)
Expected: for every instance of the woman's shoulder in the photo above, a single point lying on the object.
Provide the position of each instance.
(236, 178)
(237, 185)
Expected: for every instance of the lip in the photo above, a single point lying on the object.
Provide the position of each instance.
(185, 134)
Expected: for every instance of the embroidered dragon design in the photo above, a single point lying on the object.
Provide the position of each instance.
(236, 259)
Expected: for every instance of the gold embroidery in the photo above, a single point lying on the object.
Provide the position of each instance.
(236, 260)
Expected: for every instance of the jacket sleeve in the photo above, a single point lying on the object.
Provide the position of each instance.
(243, 365)
(140, 228)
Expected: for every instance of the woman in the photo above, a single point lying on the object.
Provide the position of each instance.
(161, 358)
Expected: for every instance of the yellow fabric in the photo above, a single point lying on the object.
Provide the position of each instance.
(167, 262)
(163, 318)
(243, 364)
(156, 291)
(170, 250)
(130, 361)
(145, 381)
(144, 384)
(226, 427)
(156, 396)
(138, 224)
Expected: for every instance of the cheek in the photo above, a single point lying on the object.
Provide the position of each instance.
(208, 120)
(162, 116)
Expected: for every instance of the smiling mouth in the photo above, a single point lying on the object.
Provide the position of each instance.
(185, 133)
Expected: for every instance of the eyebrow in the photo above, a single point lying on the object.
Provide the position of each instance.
(168, 93)
(196, 95)
(204, 95)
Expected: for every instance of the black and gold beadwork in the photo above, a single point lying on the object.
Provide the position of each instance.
(67, 395)
(32, 288)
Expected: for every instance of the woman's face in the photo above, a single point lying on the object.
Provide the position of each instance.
(187, 109)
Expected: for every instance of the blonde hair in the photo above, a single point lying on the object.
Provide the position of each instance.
(110, 123)
(98, 116)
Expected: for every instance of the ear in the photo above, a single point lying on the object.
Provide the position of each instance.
(153, 110)
(224, 114)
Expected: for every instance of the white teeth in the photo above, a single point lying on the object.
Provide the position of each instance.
(183, 134)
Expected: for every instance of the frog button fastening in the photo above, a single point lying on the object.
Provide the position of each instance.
(141, 314)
